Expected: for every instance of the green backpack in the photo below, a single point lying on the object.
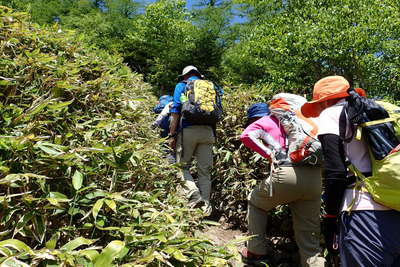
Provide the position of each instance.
(384, 184)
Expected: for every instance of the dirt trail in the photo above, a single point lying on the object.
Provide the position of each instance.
(285, 249)
(222, 235)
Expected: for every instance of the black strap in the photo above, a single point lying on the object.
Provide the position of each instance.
(343, 119)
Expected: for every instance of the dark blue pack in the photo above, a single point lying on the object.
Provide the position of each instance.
(164, 125)
(162, 102)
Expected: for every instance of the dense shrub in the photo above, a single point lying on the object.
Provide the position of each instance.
(83, 181)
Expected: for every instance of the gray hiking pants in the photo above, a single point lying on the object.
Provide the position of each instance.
(300, 188)
(196, 141)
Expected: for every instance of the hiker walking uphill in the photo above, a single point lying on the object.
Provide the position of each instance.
(163, 108)
(359, 221)
(298, 185)
(194, 115)
(162, 121)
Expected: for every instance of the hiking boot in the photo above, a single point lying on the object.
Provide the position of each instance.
(206, 208)
(195, 200)
(251, 259)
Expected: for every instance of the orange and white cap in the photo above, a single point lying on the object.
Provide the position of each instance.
(327, 88)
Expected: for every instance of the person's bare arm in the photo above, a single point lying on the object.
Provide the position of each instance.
(173, 125)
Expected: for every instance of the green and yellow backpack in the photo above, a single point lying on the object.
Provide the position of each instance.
(384, 184)
(201, 103)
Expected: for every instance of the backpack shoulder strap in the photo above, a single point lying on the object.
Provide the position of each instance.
(343, 125)
(185, 83)
(314, 128)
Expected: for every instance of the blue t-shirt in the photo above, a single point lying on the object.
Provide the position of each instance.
(177, 106)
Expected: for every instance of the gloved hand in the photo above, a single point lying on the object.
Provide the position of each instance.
(280, 155)
(154, 125)
(330, 231)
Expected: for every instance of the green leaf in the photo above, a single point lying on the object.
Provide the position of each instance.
(177, 254)
(96, 207)
(38, 108)
(51, 244)
(15, 244)
(23, 222)
(15, 177)
(170, 218)
(77, 180)
(135, 213)
(13, 262)
(55, 198)
(60, 105)
(111, 204)
(227, 156)
(5, 252)
(95, 194)
(49, 149)
(6, 82)
(91, 254)
(40, 227)
(109, 253)
(211, 223)
(59, 196)
(77, 242)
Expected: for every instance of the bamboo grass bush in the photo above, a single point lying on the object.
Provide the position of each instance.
(82, 179)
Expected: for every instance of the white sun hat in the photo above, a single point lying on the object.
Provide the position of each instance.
(188, 69)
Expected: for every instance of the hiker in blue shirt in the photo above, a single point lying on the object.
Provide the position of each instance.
(179, 90)
(192, 141)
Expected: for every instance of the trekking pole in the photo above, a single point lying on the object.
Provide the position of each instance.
(271, 173)
(335, 258)
(336, 261)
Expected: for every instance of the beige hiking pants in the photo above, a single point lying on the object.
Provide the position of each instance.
(300, 188)
(196, 141)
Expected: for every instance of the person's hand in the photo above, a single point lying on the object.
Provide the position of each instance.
(172, 142)
(331, 234)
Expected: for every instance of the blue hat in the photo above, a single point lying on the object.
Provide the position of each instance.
(257, 110)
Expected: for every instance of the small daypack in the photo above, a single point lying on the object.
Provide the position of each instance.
(162, 102)
(379, 122)
(374, 120)
(201, 103)
(303, 145)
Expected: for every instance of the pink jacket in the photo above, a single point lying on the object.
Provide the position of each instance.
(264, 135)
